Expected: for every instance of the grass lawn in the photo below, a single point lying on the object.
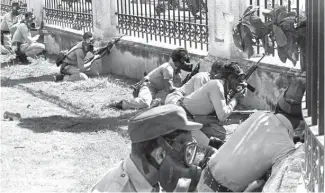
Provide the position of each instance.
(67, 137)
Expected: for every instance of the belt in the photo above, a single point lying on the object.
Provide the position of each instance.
(212, 183)
(187, 112)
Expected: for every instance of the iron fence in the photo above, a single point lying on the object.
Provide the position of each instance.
(73, 14)
(178, 22)
(314, 166)
(6, 5)
(264, 5)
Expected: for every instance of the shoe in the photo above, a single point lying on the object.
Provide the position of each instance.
(215, 142)
(119, 105)
(58, 78)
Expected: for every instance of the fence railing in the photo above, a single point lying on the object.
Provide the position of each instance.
(178, 22)
(73, 14)
(314, 163)
(6, 5)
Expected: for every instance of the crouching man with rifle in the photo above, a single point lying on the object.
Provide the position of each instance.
(212, 101)
(73, 63)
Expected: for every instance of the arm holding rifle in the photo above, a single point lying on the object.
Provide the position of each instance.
(100, 52)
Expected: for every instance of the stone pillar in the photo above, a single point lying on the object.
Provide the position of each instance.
(104, 19)
(223, 15)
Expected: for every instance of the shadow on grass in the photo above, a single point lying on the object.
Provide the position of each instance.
(76, 124)
(7, 82)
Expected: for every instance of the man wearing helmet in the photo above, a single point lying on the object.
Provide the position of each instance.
(258, 144)
(212, 98)
(161, 78)
(196, 82)
(163, 151)
(23, 44)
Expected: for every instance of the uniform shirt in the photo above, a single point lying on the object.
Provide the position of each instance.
(161, 73)
(22, 34)
(196, 82)
(258, 143)
(124, 178)
(8, 22)
(76, 57)
(210, 97)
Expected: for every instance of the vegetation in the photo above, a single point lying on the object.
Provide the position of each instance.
(281, 27)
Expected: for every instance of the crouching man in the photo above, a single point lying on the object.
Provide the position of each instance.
(260, 142)
(23, 44)
(163, 151)
(73, 66)
(161, 79)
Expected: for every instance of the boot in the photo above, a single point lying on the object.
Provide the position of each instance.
(58, 78)
(22, 57)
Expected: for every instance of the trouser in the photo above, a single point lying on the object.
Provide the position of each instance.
(30, 50)
(144, 99)
(72, 73)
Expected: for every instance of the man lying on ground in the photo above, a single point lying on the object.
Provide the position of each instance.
(196, 82)
(162, 153)
(260, 142)
(160, 79)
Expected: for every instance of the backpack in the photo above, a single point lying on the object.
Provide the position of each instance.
(63, 54)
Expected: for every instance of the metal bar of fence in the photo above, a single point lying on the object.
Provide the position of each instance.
(174, 24)
(309, 52)
(321, 67)
(179, 21)
(184, 27)
(297, 5)
(189, 26)
(314, 73)
(207, 25)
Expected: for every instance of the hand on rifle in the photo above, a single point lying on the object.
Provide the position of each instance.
(241, 90)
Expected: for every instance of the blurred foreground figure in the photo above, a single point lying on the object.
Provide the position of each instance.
(163, 150)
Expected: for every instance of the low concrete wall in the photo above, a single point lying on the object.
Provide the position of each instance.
(132, 59)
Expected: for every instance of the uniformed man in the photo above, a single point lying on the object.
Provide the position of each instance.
(73, 67)
(259, 143)
(23, 44)
(9, 25)
(211, 98)
(160, 79)
(196, 82)
(163, 151)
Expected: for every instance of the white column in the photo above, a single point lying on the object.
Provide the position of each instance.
(223, 15)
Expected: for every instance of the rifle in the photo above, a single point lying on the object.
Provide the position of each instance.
(247, 75)
(189, 76)
(102, 51)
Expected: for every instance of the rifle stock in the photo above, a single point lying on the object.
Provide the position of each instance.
(189, 76)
